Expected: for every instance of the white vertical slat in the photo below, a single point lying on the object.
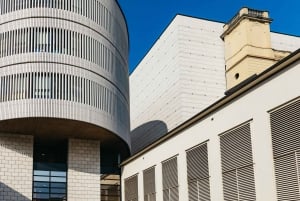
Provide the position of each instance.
(10, 88)
(1, 87)
(18, 80)
(5, 89)
(1, 45)
(60, 39)
(56, 85)
(30, 85)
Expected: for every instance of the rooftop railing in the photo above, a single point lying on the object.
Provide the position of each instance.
(255, 13)
(246, 11)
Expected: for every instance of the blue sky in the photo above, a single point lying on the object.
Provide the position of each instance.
(147, 19)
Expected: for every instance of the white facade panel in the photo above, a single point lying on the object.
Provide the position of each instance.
(202, 64)
(284, 42)
(252, 107)
(161, 82)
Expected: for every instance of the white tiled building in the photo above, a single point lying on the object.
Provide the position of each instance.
(181, 75)
(240, 146)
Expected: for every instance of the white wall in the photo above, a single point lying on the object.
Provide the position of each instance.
(182, 74)
(284, 42)
(252, 106)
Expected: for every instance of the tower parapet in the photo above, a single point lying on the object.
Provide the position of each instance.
(248, 48)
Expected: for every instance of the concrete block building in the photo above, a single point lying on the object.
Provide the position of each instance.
(215, 113)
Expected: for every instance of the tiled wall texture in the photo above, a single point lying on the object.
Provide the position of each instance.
(16, 159)
(84, 170)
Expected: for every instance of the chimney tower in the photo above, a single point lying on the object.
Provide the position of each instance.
(248, 49)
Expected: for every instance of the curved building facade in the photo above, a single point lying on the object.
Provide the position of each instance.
(65, 60)
(64, 73)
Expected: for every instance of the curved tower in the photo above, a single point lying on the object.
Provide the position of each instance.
(64, 76)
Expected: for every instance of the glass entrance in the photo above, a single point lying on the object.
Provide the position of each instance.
(49, 171)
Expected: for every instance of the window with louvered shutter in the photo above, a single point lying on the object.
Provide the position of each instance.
(197, 172)
(149, 184)
(285, 129)
(170, 180)
(237, 164)
(131, 188)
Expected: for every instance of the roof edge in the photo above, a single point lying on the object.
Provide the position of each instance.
(269, 72)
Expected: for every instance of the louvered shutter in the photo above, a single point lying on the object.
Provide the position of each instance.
(170, 180)
(197, 172)
(246, 185)
(149, 184)
(230, 185)
(285, 129)
(286, 177)
(131, 188)
(237, 165)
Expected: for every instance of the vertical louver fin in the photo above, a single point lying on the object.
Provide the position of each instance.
(131, 188)
(170, 180)
(285, 128)
(237, 164)
(197, 172)
(149, 184)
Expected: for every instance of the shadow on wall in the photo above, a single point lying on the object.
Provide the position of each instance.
(21, 144)
(146, 134)
(9, 194)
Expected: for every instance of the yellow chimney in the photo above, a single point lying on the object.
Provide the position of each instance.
(248, 49)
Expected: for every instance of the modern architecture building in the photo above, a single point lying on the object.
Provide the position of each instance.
(215, 108)
(64, 99)
(216, 113)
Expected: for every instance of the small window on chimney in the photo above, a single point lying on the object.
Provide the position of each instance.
(237, 75)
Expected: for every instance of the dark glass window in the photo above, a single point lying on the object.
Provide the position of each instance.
(50, 170)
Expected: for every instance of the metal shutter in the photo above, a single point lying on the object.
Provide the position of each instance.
(236, 148)
(287, 177)
(131, 188)
(230, 186)
(197, 172)
(170, 180)
(285, 129)
(237, 165)
(149, 184)
(246, 185)
(170, 194)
